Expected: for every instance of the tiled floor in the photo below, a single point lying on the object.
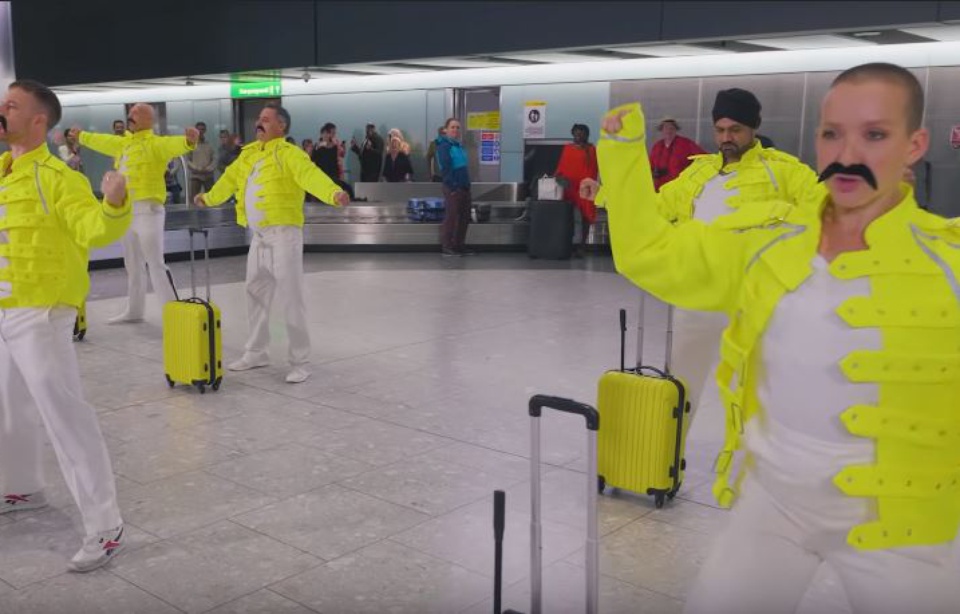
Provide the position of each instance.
(368, 488)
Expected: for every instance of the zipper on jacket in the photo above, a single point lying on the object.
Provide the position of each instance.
(773, 178)
(951, 276)
(36, 177)
(795, 230)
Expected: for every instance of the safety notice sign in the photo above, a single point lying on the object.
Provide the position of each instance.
(535, 119)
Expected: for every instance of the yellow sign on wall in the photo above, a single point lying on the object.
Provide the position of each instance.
(489, 120)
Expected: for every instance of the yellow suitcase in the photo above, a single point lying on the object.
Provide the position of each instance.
(192, 344)
(643, 432)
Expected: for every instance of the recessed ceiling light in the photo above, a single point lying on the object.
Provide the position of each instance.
(814, 41)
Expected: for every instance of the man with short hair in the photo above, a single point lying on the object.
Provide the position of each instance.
(269, 180)
(202, 162)
(840, 368)
(119, 127)
(142, 157)
(671, 154)
(229, 150)
(49, 219)
(370, 153)
(740, 174)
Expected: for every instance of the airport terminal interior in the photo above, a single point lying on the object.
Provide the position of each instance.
(369, 487)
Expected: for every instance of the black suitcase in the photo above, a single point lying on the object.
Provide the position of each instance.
(551, 229)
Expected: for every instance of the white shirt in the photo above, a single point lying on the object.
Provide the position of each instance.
(251, 200)
(712, 202)
(800, 443)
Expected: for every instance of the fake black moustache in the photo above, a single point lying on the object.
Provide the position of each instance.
(859, 170)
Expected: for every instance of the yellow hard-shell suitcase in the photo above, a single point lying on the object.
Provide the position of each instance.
(80, 325)
(192, 345)
(643, 432)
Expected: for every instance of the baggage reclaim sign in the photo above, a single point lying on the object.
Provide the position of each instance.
(255, 85)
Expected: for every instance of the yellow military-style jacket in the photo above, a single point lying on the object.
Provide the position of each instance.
(141, 157)
(49, 219)
(761, 175)
(744, 263)
(283, 173)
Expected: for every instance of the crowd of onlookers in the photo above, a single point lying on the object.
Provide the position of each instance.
(380, 159)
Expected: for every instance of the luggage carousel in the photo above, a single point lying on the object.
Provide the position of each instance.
(378, 223)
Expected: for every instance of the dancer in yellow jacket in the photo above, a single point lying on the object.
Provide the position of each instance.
(269, 179)
(142, 157)
(741, 174)
(49, 218)
(840, 370)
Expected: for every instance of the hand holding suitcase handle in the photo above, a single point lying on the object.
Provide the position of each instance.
(538, 402)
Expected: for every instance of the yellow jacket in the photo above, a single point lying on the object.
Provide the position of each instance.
(283, 173)
(745, 262)
(762, 175)
(49, 218)
(141, 157)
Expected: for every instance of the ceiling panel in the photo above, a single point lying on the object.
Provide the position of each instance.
(937, 33)
(814, 41)
(669, 51)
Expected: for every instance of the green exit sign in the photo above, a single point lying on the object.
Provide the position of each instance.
(263, 89)
(264, 84)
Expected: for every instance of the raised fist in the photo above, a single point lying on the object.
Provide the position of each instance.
(613, 124)
(114, 188)
(74, 132)
(589, 188)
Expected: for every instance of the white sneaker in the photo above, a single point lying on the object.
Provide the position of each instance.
(97, 550)
(124, 318)
(297, 375)
(246, 363)
(20, 503)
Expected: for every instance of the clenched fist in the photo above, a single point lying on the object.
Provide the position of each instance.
(589, 188)
(341, 198)
(114, 188)
(74, 132)
(193, 135)
(613, 124)
(199, 200)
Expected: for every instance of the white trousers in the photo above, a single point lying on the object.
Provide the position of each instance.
(696, 356)
(765, 559)
(40, 387)
(275, 272)
(143, 245)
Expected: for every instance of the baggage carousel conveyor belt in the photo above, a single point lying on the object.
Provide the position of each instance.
(360, 226)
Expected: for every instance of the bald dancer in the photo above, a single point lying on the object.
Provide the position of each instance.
(142, 157)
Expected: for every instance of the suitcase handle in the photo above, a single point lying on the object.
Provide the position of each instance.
(623, 339)
(640, 330)
(206, 258)
(591, 551)
(499, 508)
(538, 402)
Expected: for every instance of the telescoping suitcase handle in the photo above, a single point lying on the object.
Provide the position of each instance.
(640, 337)
(206, 258)
(536, 406)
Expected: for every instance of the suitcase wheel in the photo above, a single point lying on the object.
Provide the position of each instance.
(659, 499)
(216, 384)
(601, 484)
(202, 388)
(81, 335)
(169, 381)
